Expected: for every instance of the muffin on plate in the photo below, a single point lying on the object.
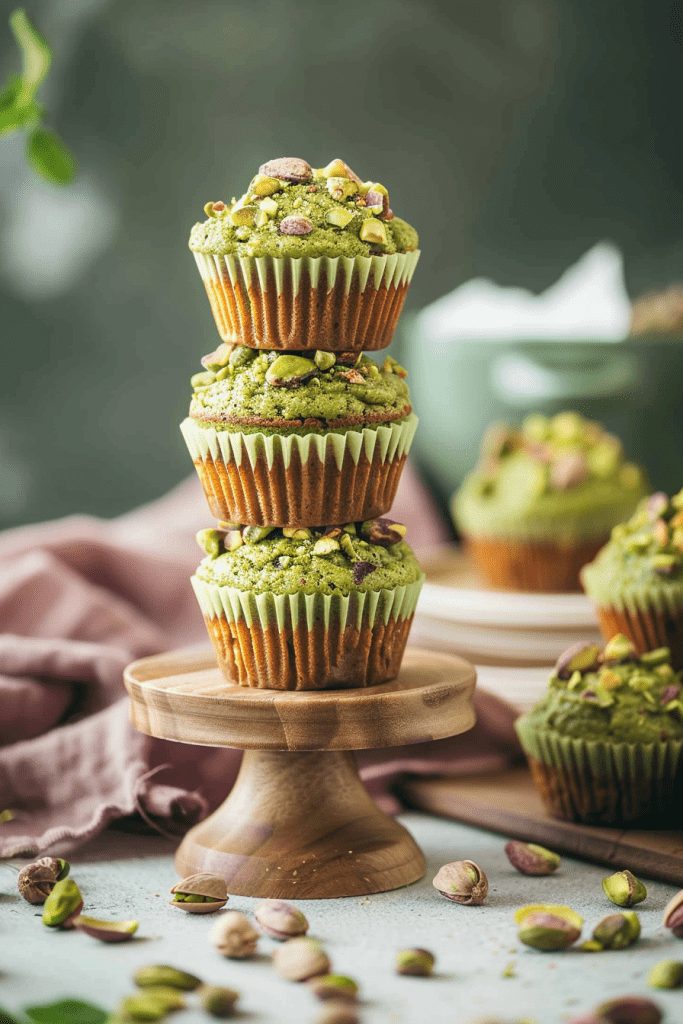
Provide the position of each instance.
(306, 259)
(298, 439)
(300, 609)
(543, 499)
(636, 580)
(605, 744)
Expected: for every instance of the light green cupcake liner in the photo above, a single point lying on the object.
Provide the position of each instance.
(288, 610)
(362, 271)
(392, 440)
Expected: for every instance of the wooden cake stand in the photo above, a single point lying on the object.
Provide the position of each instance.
(298, 822)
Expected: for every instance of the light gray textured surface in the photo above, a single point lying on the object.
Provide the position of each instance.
(124, 876)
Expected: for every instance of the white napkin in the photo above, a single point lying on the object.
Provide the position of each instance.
(589, 301)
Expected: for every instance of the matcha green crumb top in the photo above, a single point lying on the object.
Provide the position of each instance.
(291, 209)
(366, 556)
(613, 694)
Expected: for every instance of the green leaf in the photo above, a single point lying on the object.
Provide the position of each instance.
(6, 1018)
(36, 53)
(10, 94)
(49, 156)
(68, 1011)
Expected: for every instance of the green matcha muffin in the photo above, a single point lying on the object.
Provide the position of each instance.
(636, 581)
(300, 609)
(306, 259)
(543, 499)
(287, 440)
(605, 744)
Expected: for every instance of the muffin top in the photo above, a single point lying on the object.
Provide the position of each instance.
(642, 563)
(559, 478)
(613, 694)
(367, 556)
(290, 209)
(244, 388)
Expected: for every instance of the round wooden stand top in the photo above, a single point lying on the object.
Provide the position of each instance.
(183, 696)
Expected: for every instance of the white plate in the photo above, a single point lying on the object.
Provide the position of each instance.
(521, 687)
(453, 593)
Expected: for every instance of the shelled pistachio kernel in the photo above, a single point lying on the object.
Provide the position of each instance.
(624, 889)
(165, 976)
(219, 1002)
(373, 231)
(64, 903)
(333, 986)
(617, 931)
(673, 915)
(548, 927)
(530, 859)
(201, 893)
(324, 360)
(151, 1004)
(210, 541)
(106, 931)
(418, 963)
(463, 881)
(666, 974)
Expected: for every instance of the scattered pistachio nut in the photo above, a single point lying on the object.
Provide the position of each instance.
(64, 903)
(373, 231)
(233, 936)
(151, 1004)
(37, 880)
(295, 224)
(202, 380)
(233, 540)
(530, 859)
(628, 1010)
(106, 931)
(617, 931)
(297, 532)
(279, 919)
(548, 927)
(462, 882)
(338, 1011)
(255, 534)
(339, 217)
(416, 962)
(264, 185)
(219, 1002)
(362, 569)
(325, 546)
(244, 216)
(290, 371)
(162, 975)
(210, 541)
(300, 959)
(568, 471)
(624, 889)
(334, 986)
(339, 169)
(673, 915)
(287, 168)
(341, 188)
(619, 649)
(666, 974)
(383, 531)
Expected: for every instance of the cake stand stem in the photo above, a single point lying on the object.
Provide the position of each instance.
(300, 825)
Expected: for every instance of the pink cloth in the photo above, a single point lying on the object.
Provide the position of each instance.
(82, 597)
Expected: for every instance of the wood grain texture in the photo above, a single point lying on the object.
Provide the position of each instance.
(508, 803)
(298, 822)
(301, 826)
(183, 696)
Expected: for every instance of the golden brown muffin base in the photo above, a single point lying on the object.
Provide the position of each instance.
(313, 318)
(595, 801)
(539, 566)
(308, 659)
(647, 629)
(312, 493)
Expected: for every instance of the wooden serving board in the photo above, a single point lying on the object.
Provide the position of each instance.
(507, 802)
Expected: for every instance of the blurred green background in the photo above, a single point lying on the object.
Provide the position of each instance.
(512, 133)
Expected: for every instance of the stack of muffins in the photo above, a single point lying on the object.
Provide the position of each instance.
(298, 438)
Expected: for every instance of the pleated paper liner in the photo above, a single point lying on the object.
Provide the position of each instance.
(340, 305)
(648, 628)
(308, 641)
(605, 783)
(300, 479)
(536, 566)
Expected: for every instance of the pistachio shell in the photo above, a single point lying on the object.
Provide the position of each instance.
(233, 935)
(300, 959)
(673, 914)
(276, 918)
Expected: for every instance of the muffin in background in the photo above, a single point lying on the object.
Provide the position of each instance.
(298, 439)
(636, 580)
(543, 500)
(306, 259)
(605, 744)
(300, 609)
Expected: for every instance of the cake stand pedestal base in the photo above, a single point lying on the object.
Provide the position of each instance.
(298, 822)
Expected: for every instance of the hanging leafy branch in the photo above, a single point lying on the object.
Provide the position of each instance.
(20, 109)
